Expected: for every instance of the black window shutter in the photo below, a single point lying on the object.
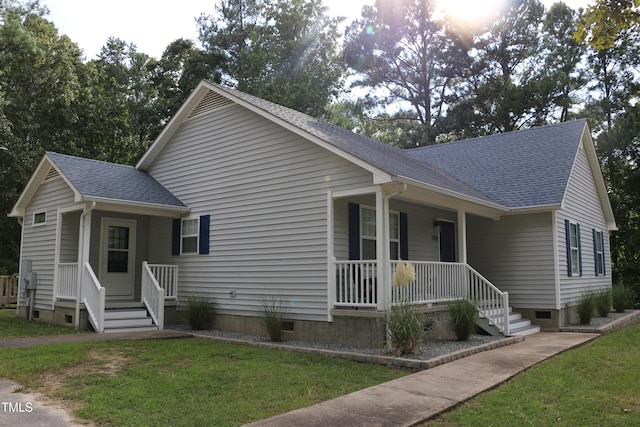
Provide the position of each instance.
(604, 259)
(579, 249)
(567, 228)
(595, 250)
(203, 248)
(404, 237)
(175, 237)
(354, 231)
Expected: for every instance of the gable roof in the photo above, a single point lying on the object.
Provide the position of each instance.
(384, 161)
(521, 169)
(97, 181)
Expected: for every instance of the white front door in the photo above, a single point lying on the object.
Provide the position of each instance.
(117, 257)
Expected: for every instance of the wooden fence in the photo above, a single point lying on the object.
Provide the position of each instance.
(8, 290)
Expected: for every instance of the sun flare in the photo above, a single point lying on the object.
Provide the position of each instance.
(471, 12)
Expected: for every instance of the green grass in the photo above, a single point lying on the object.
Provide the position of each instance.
(595, 385)
(185, 381)
(12, 326)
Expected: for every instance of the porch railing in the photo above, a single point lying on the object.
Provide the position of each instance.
(8, 289)
(435, 282)
(167, 277)
(67, 280)
(93, 298)
(153, 295)
(356, 284)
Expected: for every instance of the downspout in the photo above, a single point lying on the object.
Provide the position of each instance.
(385, 230)
(85, 212)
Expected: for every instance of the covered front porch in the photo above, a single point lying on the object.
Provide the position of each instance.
(373, 229)
(104, 269)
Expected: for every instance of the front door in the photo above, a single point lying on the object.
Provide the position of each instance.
(117, 257)
(447, 241)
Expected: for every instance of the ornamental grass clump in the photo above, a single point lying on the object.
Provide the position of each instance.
(462, 318)
(603, 303)
(586, 307)
(622, 298)
(273, 314)
(405, 324)
(199, 312)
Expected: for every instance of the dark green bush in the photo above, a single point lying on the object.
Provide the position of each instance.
(603, 303)
(462, 317)
(586, 308)
(405, 325)
(622, 298)
(273, 314)
(199, 312)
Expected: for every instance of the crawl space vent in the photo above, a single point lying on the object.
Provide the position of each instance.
(211, 101)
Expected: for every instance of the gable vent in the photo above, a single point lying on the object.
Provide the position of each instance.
(53, 173)
(211, 101)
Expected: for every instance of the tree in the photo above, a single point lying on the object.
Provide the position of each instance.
(604, 20)
(396, 49)
(284, 51)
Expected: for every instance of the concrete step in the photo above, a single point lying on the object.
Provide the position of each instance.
(131, 329)
(527, 330)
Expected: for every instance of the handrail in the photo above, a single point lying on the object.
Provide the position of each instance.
(490, 301)
(152, 295)
(93, 298)
(167, 278)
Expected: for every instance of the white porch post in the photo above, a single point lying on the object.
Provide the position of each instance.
(382, 251)
(462, 236)
(84, 242)
(331, 275)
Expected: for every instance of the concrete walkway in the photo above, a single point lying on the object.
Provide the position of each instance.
(418, 397)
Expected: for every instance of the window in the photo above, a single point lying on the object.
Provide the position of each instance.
(368, 233)
(39, 218)
(189, 236)
(574, 252)
(598, 252)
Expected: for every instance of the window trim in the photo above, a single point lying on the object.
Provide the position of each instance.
(196, 235)
(42, 223)
(598, 249)
(362, 236)
(573, 230)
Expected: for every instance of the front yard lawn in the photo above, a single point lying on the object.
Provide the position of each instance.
(183, 382)
(12, 326)
(595, 385)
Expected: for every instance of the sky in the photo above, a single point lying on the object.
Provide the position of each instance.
(152, 24)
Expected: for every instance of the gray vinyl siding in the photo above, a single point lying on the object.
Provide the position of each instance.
(515, 253)
(266, 191)
(69, 237)
(582, 206)
(39, 243)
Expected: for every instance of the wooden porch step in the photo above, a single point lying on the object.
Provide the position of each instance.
(128, 320)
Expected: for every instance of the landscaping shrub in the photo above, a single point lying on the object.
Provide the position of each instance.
(586, 308)
(462, 317)
(405, 326)
(603, 303)
(622, 298)
(273, 314)
(199, 312)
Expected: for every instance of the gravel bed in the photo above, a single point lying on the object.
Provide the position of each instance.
(597, 321)
(432, 346)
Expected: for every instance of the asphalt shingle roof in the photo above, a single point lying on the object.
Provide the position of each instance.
(518, 169)
(93, 178)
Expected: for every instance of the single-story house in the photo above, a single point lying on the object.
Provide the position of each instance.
(240, 200)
